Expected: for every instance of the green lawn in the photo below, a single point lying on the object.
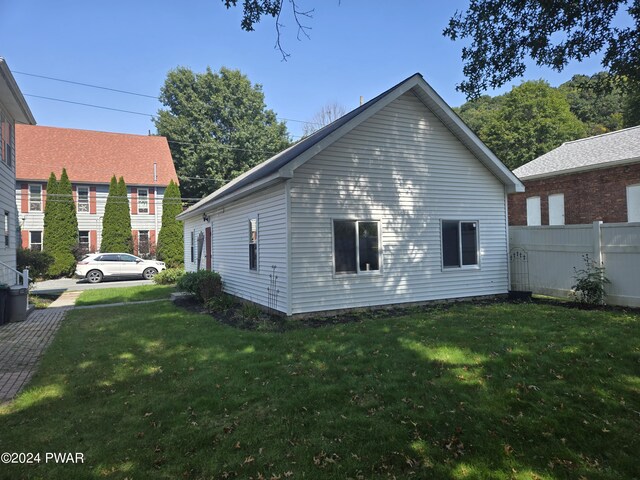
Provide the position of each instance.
(124, 294)
(527, 391)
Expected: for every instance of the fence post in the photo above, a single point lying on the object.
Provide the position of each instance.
(25, 278)
(597, 242)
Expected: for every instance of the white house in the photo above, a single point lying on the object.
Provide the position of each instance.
(13, 109)
(396, 201)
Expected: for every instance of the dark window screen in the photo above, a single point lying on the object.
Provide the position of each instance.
(469, 238)
(450, 244)
(344, 234)
(368, 244)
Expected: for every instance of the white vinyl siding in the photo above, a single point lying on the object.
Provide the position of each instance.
(534, 217)
(633, 203)
(230, 235)
(556, 209)
(404, 168)
(8, 200)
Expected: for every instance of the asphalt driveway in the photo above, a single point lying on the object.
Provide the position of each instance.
(75, 284)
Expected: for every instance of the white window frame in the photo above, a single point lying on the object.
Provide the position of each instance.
(256, 220)
(633, 191)
(531, 201)
(380, 247)
(193, 246)
(144, 209)
(31, 243)
(40, 201)
(85, 205)
(148, 252)
(554, 201)
(7, 227)
(475, 266)
(88, 244)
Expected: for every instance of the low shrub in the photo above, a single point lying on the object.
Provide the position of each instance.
(36, 261)
(169, 276)
(221, 303)
(204, 284)
(251, 311)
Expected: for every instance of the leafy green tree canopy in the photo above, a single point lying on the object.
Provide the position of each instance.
(504, 33)
(218, 126)
(534, 119)
(170, 239)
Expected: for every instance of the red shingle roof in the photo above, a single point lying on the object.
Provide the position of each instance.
(92, 157)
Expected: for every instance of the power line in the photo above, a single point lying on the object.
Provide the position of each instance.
(86, 85)
(87, 105)
(126, 92)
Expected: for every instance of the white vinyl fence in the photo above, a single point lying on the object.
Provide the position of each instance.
(553, 251)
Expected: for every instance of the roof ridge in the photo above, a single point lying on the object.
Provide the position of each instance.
(601, 135)
(53, 127)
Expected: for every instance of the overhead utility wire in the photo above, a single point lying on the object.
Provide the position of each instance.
(119, 91)
(87, 105)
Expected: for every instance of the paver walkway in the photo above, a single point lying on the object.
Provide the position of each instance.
(21, 346)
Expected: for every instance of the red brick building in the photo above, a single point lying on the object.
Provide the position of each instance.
(595, 178)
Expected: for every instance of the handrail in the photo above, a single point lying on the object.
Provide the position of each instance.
(24, 274)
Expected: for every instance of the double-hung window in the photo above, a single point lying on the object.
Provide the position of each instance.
(6, 228)
(192, 244)
(253, 244)
(35, 240)
(459, 244)
(83, 199)
(356, 246)
(143, 242)
(35, 198)
(83, 240)
(143, 200)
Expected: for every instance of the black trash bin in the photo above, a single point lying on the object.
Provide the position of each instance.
(4, 296)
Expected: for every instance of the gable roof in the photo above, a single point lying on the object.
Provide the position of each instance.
(282, 165)
(92, 157)
(600, 151)
(11, 96)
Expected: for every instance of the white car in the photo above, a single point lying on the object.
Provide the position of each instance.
(95, 266)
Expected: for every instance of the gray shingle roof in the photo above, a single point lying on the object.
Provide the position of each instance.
(585, 154)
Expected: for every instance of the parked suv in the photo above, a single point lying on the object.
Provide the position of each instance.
(94, 267)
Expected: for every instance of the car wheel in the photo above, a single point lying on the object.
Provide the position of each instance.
(94, 276)
(149, 273)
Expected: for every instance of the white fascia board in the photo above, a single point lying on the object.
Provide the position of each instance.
(238, 194)
(12, 96)
(583, 168)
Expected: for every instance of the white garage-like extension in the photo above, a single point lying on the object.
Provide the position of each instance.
(395, 202)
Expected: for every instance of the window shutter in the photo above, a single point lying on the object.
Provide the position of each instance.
(152, 201)
(134, 201)
(92, 200)
(134, 234)
(43, 196)
(24, 202)
(25, 239)
(93, 240)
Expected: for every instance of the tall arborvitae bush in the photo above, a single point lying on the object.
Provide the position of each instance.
(116, 223)
(125, 216)
(60, 226)
(170, 239)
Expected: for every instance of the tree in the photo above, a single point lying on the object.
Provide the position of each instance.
(534, 119)
(552, 33)
(60, 226)
(170, 239)
(327, 114)
(116, 223)
(217, 125)
(600, 111)
(253, 11)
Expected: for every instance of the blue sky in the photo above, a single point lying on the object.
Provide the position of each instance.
(356, 48)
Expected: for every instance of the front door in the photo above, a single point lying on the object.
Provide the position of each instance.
(207, 243)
